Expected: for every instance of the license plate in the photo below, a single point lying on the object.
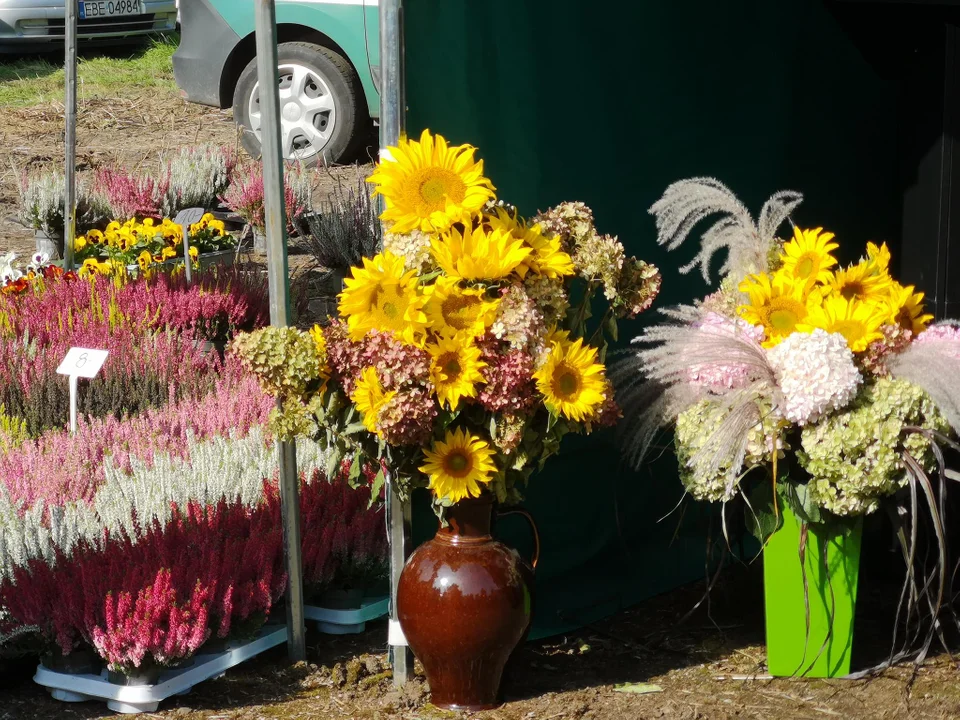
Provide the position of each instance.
(109, 8)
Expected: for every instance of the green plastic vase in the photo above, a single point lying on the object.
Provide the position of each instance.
(824, 651)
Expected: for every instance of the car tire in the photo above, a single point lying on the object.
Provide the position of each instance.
(330, 94)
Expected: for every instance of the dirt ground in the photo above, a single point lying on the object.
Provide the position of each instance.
(132, 132)
(703, 668)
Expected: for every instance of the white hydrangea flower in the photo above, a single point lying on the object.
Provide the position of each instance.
(816, 374)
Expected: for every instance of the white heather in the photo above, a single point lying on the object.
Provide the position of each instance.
(216, 468)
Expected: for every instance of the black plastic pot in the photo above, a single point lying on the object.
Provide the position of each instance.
(82, 661)
(143, 675)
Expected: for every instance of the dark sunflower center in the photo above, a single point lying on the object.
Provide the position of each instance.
(457, 463)
(852, 290)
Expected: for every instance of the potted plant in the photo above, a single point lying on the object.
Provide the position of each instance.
(41, 208)
(461, 357)
(809, 393)
(244, 196)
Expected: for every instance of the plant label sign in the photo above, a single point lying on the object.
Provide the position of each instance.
(185, 218)
(80, 363)
(83, 362)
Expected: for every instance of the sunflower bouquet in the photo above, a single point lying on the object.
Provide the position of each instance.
(146, 243)
(466, 349)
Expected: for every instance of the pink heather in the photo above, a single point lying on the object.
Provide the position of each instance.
(59, 467)
(130, 195)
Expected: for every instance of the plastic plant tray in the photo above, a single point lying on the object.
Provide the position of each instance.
(347, 622)
(176, 681)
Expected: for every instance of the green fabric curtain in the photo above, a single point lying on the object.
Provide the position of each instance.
(608, 103)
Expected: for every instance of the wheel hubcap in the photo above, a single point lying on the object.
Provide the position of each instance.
(307, 112)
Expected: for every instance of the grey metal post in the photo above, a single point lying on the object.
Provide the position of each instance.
(275, 215)
(70, 133)
(392, 116)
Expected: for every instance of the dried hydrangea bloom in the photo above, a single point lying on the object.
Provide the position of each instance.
(508, 433)
(510, 386)
(570, 221)
(816, 374)
(413, 247)
(549, 295)
(895, 340)
(407, 417)
(519, 321)
(600, 258)
(638, 288)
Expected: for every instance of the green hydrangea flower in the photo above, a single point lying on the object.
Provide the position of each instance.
(854, 456)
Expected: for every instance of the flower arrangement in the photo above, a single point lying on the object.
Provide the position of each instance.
(146, 243)
(462, 352)
(798, 383)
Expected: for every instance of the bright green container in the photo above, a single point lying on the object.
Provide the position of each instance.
(824, 651)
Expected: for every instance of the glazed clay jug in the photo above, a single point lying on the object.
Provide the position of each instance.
(464, 603)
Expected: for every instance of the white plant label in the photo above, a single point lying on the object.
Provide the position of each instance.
(83, 362)
(80, 363)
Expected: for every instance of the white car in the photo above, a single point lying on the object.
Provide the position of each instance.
(32, 25)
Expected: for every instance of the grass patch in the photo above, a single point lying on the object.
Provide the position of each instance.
(38, 81)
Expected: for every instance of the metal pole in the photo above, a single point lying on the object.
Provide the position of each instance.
(70, 133)
(275, 215)
(392, 117)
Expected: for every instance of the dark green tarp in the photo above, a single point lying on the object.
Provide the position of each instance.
(608, 103)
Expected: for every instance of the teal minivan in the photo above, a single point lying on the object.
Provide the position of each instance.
(329, 58)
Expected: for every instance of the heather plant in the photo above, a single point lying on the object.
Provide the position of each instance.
(41, 198)
(344, 229)
(130, 195)
(245, 195)
(198, 176)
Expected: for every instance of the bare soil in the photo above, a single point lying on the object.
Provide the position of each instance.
(705, 667)
(133, 132)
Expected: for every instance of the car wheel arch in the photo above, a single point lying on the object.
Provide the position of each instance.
(245, 51)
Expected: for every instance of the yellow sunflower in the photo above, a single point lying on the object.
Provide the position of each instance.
(369, 398)
(571, 380)
(478, 254)
(859, 322)
(455, 366)
(458, 464)
(777, 304)
(452, 309)
(429, 185)
(879, 255)
(906, 309)
(381, 296)
(806, 258)
(865, 282)
(546, 258)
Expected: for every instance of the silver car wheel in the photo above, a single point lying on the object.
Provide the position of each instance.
(308, 114)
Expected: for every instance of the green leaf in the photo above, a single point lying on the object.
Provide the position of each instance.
(760, 514)
(493, 426)
(355, 468)
(611, 327)
(797, 496)
(378, 483)
(637, 688)
(354, 428)
(551, 421)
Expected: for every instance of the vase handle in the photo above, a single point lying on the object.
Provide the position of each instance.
(533, 526)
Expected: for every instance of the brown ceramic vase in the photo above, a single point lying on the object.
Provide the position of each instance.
(464, 603)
